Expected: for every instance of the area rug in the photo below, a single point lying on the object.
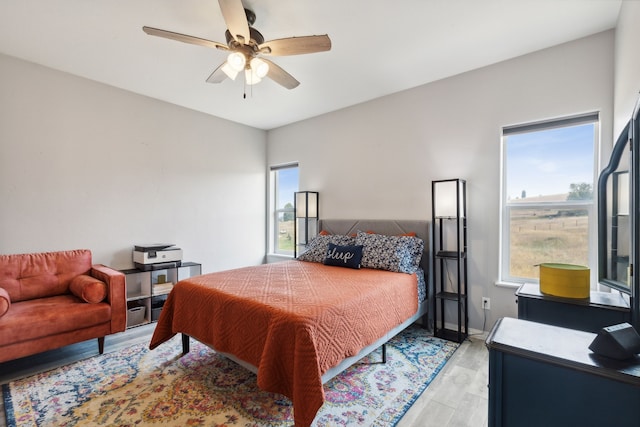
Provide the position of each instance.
(136, 386)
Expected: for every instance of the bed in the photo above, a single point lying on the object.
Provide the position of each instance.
(298, 323)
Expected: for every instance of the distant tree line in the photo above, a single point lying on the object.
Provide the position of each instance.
(288, 216)
(581, 191)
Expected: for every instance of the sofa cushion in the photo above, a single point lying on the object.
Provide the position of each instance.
(5, 302)
(29, 276)
(88, 288)
(43, 317)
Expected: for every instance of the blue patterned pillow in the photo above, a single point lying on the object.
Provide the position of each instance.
(318, 246)
(344, 256)
(394, 253)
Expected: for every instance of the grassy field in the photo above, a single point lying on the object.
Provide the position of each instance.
(547, 236)
(285, 236)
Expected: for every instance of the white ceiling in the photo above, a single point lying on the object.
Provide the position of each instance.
(378, 46)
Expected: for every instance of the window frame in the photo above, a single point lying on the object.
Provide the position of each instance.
(275, 211)
(507, 208)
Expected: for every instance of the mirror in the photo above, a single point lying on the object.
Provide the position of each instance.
(614, 221)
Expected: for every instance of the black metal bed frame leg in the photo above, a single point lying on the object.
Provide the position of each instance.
(185, 343)
(384, 356)
(424, 322)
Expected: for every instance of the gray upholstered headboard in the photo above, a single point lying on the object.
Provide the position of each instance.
(384, 226)
(391, 227)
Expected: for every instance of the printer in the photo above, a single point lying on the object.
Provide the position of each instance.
(156, 256)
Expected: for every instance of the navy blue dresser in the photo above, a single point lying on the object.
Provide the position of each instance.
(592, 314)
(544, 375)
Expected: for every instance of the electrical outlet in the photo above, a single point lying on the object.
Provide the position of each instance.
(486, 303)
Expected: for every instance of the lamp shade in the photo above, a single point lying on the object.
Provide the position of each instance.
(229, 71)
(251, 77)
(306, 204)
(259, 67)
(237, 61)
(448, 198)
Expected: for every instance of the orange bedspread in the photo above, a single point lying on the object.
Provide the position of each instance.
(293, 320)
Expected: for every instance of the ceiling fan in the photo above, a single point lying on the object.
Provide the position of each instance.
(247, 47)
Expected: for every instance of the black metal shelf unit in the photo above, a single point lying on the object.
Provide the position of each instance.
(449, 259)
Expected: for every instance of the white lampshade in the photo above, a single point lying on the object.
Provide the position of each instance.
(306, 218)
(236, 61)
(445, 194)
(259, 67)
(229, 71)
(306, 204)
(251, 77)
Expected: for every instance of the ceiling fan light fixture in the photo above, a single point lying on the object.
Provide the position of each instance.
(246, 44)
(236, 61)
(229, 71)
(259, 67)
(251, 77)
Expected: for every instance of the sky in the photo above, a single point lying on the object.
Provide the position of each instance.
(548, 162)
(288, 183)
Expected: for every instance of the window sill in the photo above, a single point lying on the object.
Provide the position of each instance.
(278, 257)
(512, 285)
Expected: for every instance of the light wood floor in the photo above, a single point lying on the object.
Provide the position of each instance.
(457, 397)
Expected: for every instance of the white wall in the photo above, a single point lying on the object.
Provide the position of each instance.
(377, 159)
(84, 165)
(627, 63)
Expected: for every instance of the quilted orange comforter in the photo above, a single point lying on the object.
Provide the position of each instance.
(293, 320)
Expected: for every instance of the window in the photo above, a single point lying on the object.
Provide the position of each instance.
(548, 208)
(284, 183)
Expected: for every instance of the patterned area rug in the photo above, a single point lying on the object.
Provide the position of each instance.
(136, 386)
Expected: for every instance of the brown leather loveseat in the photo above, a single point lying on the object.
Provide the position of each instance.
(52, 299)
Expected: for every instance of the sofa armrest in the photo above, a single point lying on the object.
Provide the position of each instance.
(116, 294)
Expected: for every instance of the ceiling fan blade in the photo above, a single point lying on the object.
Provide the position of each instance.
(218, 75)
(280, 76)
(236, 19)
(296, 45)
(183, 38)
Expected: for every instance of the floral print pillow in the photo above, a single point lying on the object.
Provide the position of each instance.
(393, 253)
